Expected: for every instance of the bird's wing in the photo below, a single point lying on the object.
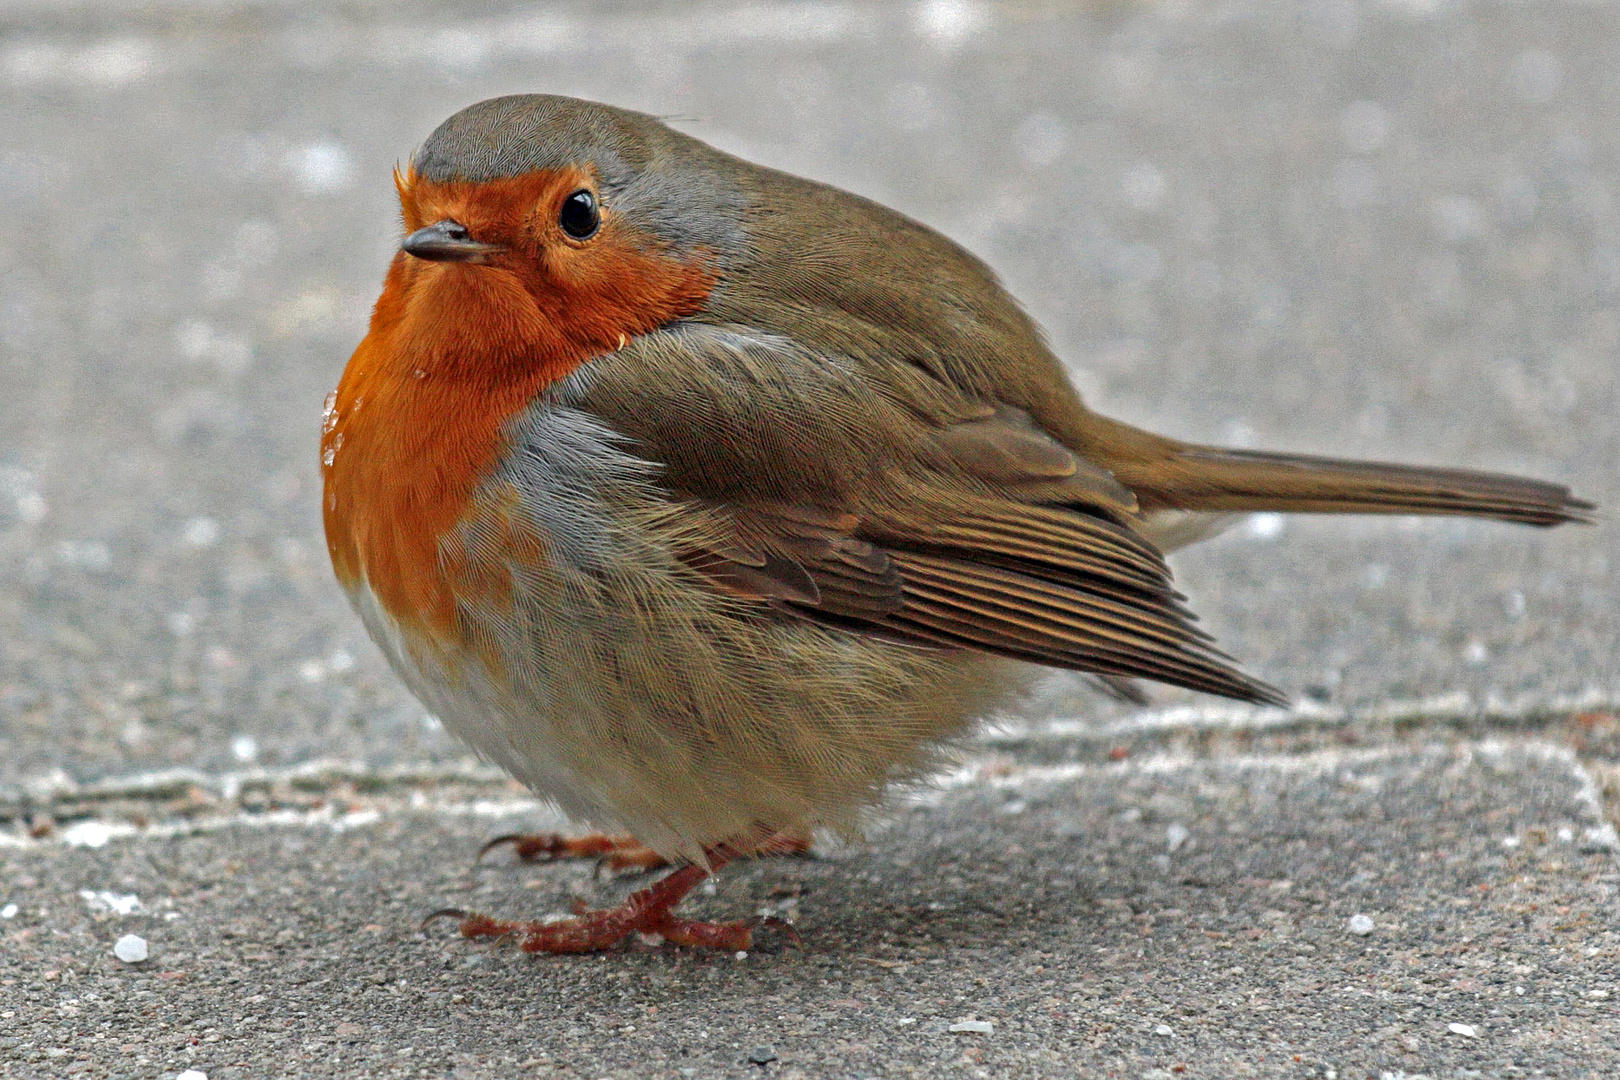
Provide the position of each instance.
(899, 507)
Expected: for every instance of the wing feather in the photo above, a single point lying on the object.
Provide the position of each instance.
(901, 508)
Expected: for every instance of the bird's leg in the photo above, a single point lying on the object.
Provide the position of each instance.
(615, 853)
(619, 853)
(646, 911)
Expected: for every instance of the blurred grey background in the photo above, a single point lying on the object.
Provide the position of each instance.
(1382, 229)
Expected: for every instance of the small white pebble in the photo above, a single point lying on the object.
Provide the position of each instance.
(1595, 995)
(1360, 925)
(8, 912)
(1164, 1029)
(972, 1027)
(1175, 835)
(742, 954)
(131, 949)
(1465, 1030)
(192, 1074)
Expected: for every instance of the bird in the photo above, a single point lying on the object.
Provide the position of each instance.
(712, 502)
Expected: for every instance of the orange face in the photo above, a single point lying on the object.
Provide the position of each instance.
(591, 292)
(457, 347)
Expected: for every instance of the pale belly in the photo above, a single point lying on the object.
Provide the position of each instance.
(687, 732)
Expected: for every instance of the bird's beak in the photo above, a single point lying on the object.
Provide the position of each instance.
(446, 241)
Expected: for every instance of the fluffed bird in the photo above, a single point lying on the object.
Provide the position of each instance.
(710, 501)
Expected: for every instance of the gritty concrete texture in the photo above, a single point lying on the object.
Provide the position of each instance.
(1385, 229)
(1190, 914)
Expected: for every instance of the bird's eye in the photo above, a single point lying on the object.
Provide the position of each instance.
(579, 217)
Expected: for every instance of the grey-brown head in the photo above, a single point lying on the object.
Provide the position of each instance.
(675, 188)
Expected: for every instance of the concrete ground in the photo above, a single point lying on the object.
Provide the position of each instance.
(1384, 229)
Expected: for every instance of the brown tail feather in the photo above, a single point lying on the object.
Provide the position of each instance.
(1207, 478)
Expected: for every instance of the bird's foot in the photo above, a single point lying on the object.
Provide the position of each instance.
(615, 853)
(648, 911)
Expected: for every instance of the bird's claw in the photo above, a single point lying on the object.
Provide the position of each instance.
(443, 913)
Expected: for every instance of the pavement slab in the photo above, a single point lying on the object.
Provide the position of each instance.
(1430, 908)
(1380, 228)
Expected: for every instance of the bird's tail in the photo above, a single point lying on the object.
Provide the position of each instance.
(1212, 479)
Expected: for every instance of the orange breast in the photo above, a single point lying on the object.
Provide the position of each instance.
(417, 421)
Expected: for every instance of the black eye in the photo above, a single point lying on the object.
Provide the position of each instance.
(578, 216)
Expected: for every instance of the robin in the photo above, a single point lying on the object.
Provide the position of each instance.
(710, 501)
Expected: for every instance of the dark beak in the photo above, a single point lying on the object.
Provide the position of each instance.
(446, 241)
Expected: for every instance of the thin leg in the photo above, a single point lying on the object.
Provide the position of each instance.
(621, 852)
(614, 852)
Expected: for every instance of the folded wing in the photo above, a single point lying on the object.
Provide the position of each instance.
(908, 512)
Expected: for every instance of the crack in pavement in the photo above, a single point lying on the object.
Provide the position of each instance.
(340, 795)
